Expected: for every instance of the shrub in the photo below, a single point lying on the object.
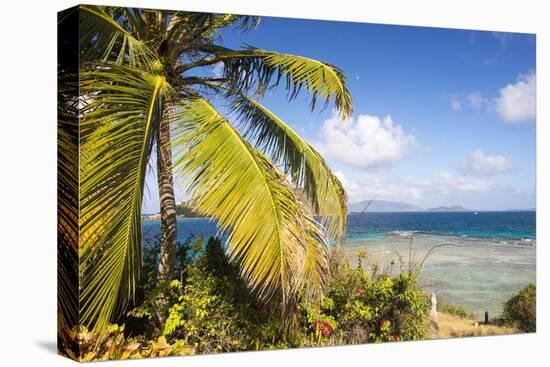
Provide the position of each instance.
(201, 316)
(521, 310)
(364, 307)
(210, 307)
(85, 346)
(452, 310)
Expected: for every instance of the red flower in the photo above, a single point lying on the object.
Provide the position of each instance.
(359, 292)
(395, 338)
(323, 327)
(383, 322)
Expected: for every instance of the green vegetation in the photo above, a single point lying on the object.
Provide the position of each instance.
(521, 310)
(452, 310)
(212, 310)
(371, 306)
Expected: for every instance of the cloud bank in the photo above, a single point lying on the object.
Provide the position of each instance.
(480, 164)
(442, 184)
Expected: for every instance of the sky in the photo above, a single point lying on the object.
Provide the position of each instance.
(441, 116)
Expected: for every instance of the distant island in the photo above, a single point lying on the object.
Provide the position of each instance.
(183, 210)
(395, 206)
(383, 206)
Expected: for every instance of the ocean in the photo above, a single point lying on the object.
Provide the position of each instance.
(487, 256)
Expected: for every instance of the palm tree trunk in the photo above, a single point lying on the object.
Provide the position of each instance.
(168, 222)
(167, 205)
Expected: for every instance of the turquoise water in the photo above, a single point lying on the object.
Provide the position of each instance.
(488, 257)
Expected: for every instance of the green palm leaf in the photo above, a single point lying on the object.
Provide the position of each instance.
(118, 130)
(67, 203)
(230, 180)
(316, 262)
(306, 166)
(187, 30)
(256, 68)
(103, 38)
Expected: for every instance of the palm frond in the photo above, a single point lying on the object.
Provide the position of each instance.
(231, 181)
(258, 69)
(118, 130)
(248, 23)
(102, 38)
(67, 203)
(307, 168)
(316, 264)
(190, 32)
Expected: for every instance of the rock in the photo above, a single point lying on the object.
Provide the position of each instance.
(434, 324)
(433, 311)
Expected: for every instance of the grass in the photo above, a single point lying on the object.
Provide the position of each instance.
(451, 326)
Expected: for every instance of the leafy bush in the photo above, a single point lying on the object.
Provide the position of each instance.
(210, 306)
(140, 319)
(362, 307)
(521, 310)
(203, 317)
(452, 310)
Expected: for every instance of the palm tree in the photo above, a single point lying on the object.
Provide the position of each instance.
(146, 83)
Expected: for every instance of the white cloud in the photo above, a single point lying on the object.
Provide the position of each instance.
(476, 100)
(447, 183)
(517, 102)
(480, 164)
(442, 187)
(365, 141)
(455, 104)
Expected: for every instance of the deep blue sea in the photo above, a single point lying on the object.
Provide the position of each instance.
(514, 225)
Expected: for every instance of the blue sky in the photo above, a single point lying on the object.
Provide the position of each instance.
(441, 116)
